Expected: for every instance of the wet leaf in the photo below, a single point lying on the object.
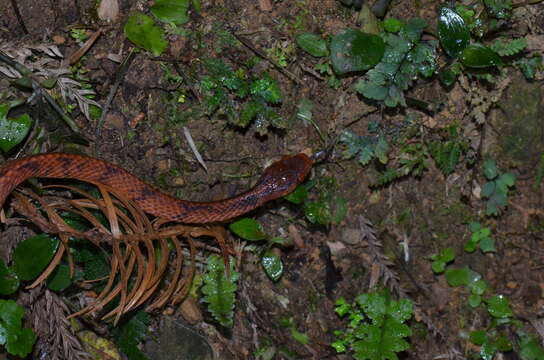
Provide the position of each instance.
(499, 306)
(32, 255)
(272, 264)
(142, 31)
(248, 229)
(313, 44)
(453, 33)
(17, 340)
(12, 130)
(353, 50)
(479, 56)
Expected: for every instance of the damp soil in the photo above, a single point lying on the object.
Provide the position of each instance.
(412, 218)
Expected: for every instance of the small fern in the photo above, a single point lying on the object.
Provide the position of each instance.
(508, 48)
(219, 290)
(376, 330)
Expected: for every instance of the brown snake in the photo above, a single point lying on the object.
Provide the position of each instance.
(277, 180)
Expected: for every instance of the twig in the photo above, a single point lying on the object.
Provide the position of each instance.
(122, 70)
(18, 16)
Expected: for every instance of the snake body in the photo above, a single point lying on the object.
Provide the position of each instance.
(277, 180)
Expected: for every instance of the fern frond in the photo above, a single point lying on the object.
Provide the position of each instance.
(509, 48)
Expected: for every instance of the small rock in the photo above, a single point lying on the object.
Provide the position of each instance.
(351, 236)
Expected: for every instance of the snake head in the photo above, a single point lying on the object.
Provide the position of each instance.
(283, 176)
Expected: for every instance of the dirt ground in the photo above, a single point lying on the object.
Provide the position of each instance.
(411, 219)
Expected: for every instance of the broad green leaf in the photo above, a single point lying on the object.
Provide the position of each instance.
(461, 276)
(32, 255)
(18, 341)
(313, 44)
(272, 264)
(142, 31)
(171, 11)
(479, 56)
(353, 50)
(60, 278)
(9, 282)
(477, 337)
(454, 35)
(12, 130)
(499, 306)
(297, 196)
(248, 229)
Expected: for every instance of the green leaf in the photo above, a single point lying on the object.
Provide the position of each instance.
(530, 348)
(392, 25)
(60, 278)
(447, 76)
(171, 11)
(371, 91)
(477, 287)
(9, 282)
(142, 31)
(313, 44)
(272, 264)
(297, 196)
(488, 349)
(128, 335)
(499, 307)
(488, 189)
(18, 341)
(454, 35)
(474, 300)
(267, 88)
(298, 336)
(32, 255)
(440, 260)
(12, 130)
(219, 290)
(461, 276)
(477, 337)
(248, 229)
(490, 169)
(487, 245)
(353, 50)
(479, 56)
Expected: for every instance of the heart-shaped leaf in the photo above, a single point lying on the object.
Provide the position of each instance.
(353, 50)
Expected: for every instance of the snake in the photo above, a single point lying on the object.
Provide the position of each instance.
(277, 180)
